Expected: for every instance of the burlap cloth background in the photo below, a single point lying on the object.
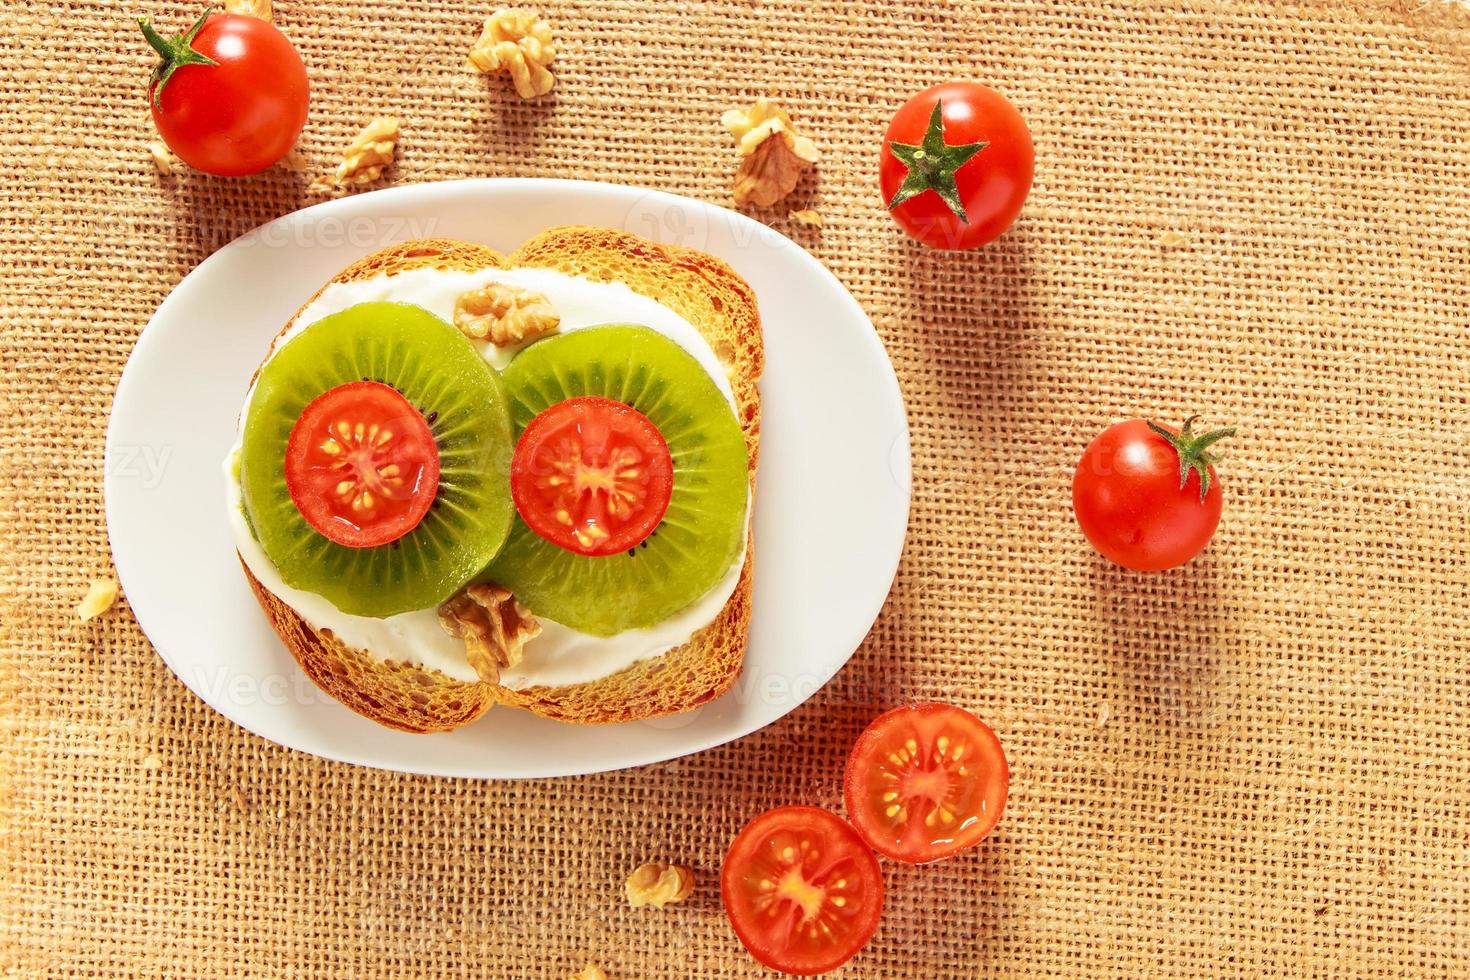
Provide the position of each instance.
(1253, 766)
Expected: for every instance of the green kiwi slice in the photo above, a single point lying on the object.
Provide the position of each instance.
(465, 403)
(704, 526)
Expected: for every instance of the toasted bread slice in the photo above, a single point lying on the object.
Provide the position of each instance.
(707, 293)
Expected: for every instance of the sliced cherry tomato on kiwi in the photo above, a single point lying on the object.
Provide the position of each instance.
(592, 475)
(925, 782)
(956, 165)
(362, 465)
(802, 890)
(1146, 496)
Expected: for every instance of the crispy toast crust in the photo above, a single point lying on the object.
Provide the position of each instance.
(707, 293)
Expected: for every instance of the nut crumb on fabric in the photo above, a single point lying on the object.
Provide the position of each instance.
(807, 216)
(1172, 239)
(250, 8)
(1104, 712)
(774, 154)
(162, 159)
(518, 42)
(590, 972)
(294, 161)
(100, 597)
(152, 762)
(504, 314)
(365, 158)
(658, 883)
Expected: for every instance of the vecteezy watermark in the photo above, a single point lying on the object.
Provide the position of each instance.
(363, 232)
(866, 691)
(221, 685)
(142, 464)
(900, 464)
(766, 689)
(673, 221)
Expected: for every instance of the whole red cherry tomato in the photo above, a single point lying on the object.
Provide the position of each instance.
(956, 165)
(230, 95)
(1146, 496)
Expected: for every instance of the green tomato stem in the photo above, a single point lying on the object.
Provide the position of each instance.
(1193, 451)
(932, 164)
(176, 51)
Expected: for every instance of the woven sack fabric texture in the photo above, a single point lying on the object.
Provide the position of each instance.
(1254, 765)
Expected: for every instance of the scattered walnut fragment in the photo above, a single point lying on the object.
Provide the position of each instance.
(365, 158)
(807, 216)
(294, 161)
(99, 598)
(250, 8)
(774, 153)
(162, 158)
(493, 624)
(1172, 239)
(504, 314)
(516, 41)
(658, 883)
(591, 972)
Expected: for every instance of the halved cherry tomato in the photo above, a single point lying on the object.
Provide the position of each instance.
(592, 475)
(802, 890)
(925, 782)
(362, 465)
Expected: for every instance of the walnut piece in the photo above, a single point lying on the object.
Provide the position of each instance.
(807, 216)
(519, 42)
(250, 8)
(774, 153)
(493, 624)
(99, 598)
(591, 972)
(162, 158)
(365, 158)
(658, 883)
(504, 314)
(294, 161)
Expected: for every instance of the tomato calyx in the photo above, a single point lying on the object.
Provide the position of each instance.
(1193, 450)
(176, 51)
(932, 165)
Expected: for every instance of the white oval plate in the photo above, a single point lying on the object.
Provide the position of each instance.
(831, 503)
